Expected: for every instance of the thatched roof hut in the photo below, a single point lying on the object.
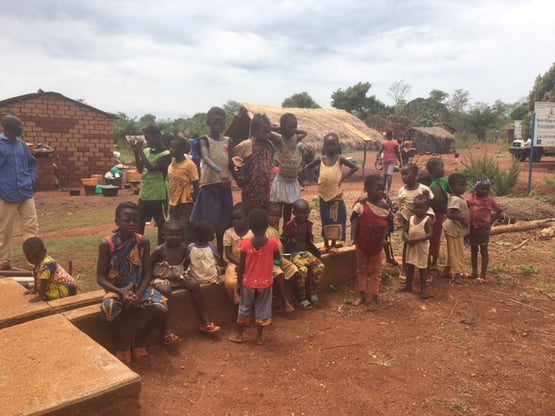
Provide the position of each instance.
(398, 125)
(431, 139)
(318, 122)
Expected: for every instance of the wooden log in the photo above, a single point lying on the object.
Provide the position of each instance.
(522, 226)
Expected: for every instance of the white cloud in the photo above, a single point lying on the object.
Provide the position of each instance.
(173, 58)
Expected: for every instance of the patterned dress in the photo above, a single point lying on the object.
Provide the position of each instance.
(126, 273)
(258, 175)
(59, 282)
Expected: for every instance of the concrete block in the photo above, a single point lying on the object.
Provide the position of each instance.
(51, 367)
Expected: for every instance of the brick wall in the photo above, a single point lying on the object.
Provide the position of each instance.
(82, 138)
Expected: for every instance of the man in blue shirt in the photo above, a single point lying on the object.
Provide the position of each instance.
(18, 174)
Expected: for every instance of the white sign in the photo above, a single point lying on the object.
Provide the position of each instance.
(518, 129)
(544, 127)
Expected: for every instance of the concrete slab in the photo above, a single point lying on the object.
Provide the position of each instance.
(48, 366)
(15, 306)
(183, 317)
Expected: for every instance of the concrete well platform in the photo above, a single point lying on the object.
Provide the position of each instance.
(49, 367)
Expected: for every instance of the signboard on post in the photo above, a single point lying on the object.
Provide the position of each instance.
(544, 124)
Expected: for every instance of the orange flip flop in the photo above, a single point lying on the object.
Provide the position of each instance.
(123, 356)
(140, 354)
(209, 328)
(171, 338)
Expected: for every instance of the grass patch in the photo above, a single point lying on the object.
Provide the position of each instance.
(81, 251)
(529, 270)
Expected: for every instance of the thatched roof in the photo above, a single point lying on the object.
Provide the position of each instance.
(431, 139)
(318, 122)
(437, 132)
(398, 125)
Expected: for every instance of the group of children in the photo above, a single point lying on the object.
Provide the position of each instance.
(251, 255)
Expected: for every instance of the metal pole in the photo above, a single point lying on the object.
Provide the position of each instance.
(531, 156)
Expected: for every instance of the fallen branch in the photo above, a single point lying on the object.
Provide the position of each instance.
(520, 245)
(525, 305)
(452, 310)
(546, 294)
(522, 226)
(341, 346)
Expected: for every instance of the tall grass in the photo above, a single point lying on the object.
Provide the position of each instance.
(487, 167)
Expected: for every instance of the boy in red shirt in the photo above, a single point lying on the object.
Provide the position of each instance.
(255, 276)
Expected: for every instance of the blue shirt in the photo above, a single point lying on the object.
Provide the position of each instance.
(18, 170)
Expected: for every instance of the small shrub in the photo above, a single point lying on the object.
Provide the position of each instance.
(525, 297)
(530, 270)
(487, 167)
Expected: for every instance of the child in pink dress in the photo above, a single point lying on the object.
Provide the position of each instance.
(370, 221)
(484, 211)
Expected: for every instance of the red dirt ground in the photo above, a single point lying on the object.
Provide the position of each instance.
(470, 350)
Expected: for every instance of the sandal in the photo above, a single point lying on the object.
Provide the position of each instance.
(140, 354)
(304, 304)
(314, 299)
(334, 251)
(171, 338)
(209, 328)
(124, 356)
(324, 250)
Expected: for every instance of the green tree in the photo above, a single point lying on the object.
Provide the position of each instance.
(147, 120)
(544, 88)
(428, 111)
(231, 108)
(480, 119)
(354, 99)
(300, 100)
(519, 111)
(458, 101)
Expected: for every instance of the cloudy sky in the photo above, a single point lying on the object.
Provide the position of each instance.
(174, 58)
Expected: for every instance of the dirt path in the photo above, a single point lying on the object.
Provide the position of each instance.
(469, 350)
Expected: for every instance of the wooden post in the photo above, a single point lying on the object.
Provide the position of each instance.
(364, 158)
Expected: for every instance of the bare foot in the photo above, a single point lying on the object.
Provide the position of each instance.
(372, 305)
(358, 301)
(236, 338)
(286, 308)
(425, 294)
(260, 341)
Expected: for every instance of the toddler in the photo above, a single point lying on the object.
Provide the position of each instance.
(233, 237)
(258, 255)
(202, 257)
(417, 234)
(456, 226)
(169, 273)
(298, 241)
(51, 280)
(484, 211)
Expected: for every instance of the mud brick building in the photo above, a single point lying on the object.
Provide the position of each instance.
(82, 136)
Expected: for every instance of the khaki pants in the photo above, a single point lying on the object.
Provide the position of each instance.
(8, 212)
